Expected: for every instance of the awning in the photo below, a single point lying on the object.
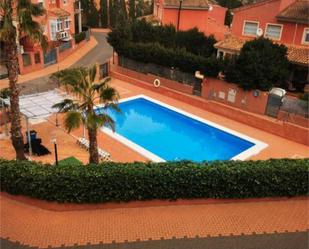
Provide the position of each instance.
(39, 105)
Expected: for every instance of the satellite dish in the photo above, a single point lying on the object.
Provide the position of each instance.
(259, 32)
(210, 7)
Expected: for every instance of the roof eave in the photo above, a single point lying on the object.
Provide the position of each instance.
(185, 7)
(294, 20)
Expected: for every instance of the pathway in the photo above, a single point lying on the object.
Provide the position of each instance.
(255, 224)
(97, 50)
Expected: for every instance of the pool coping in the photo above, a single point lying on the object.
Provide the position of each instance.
(255, 149)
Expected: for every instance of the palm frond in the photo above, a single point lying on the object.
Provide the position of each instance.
(92, 73)
(98, 86)
(66, 105)
(108, 94)
(7, 29)
(72, 120)
(113, 106)
(106, 120)
(26, 10)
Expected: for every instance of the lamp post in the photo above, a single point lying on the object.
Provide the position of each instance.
(179, 9)
(54, 141)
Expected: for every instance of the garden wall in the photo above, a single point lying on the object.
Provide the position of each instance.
(232, 95)
(284, 129)
(149, 78)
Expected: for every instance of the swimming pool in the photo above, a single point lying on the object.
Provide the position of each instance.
(164, 133)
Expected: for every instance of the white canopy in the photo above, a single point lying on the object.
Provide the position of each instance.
(39, 105)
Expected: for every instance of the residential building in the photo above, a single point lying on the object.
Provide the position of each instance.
(205, 15)
(58, 25)
(284, 21)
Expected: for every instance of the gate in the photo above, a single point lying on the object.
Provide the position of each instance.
(50, 57)
(274, 103)
(103, 70)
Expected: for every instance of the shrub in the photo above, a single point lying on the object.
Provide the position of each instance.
(70, 161)
(142, 181)
(261, 65)
(177, 58)
(80, 37)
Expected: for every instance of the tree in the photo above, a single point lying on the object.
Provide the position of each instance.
(12, 25)
(132, 14)
(261, 64)
(229, 4)
(140, 8)
(103, 13)
(111, 12)
(81, 82)
(90, 13)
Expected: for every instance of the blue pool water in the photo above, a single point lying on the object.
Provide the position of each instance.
(174, 136)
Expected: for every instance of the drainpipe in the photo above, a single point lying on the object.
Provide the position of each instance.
(294, 36)
(79, 17)
(178, 21)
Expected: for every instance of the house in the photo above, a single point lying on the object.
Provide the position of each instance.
(58, 25)
(284, 21)
(206, 15)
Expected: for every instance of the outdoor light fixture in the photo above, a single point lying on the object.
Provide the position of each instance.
(54, 141)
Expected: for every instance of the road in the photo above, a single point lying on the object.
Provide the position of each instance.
(99, 54)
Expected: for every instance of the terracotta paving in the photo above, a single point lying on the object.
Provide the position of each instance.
(33, 226)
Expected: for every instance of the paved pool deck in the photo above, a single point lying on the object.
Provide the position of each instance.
(278, 147)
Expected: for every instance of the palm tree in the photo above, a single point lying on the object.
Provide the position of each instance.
(16, 20)
(81, 82)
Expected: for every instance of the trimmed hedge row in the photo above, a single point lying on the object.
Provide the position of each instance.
(142, 181)
(168, 57)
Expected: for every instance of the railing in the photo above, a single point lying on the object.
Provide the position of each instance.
(164, 72)
(64, 46)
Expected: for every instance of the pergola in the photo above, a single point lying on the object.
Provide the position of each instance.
(38, 106)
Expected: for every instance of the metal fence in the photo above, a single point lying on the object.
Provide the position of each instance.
(64, 46)
(295, 106)
(164, 72)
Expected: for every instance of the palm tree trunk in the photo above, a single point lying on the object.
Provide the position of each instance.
(93, 146)
(12, 67)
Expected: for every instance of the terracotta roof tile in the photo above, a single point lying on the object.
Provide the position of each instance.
(296, 12)
(189, 4)
(296, 54)
(59, 12)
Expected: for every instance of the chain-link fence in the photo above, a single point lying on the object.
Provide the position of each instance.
(295, 106)
(164, 72)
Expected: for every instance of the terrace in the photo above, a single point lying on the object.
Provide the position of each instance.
(278, 147)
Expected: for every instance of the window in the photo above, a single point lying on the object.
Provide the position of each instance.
(59, 25)
(250, 28)
(306, 36)
(65, 2)
(53, 30)
(273, 31)
(67, 23)
(26, 60)
(37, 58)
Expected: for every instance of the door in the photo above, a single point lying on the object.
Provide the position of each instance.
(50, 57)
(274, 103)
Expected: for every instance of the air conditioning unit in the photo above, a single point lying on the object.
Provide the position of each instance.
(259, 32)
(64, 34)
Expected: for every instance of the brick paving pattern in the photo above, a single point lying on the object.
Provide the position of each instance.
(38, 227)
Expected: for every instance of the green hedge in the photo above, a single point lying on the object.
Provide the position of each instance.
(141, 181)
(168, 57)
(80, 37)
